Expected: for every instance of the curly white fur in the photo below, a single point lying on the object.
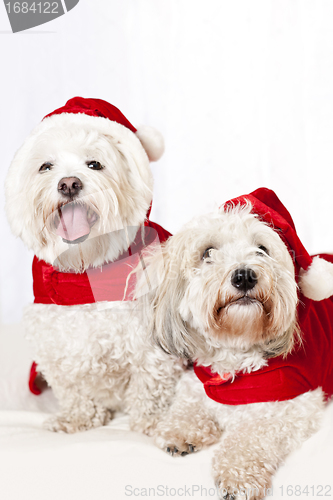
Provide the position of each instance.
(95, 357)
(196, 311)
(98, 360)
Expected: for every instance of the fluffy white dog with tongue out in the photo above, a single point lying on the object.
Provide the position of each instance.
(78, 193)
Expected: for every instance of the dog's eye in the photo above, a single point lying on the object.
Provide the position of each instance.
(263, 249)
(207, 253)
(46, 166)
(94, 165)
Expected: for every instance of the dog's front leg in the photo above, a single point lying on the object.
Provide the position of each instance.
(252, 451)
(189, 424)
(151, 391)
(245, 462)
(78, 412)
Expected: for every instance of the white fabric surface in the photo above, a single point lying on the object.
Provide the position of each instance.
(242, 92)
(36, 464)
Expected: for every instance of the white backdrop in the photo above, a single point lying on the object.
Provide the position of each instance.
(242, 91)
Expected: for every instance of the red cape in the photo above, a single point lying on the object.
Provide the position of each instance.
(106, 283)
(308, 367)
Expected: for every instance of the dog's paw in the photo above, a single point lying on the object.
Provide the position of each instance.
(185, 449)
(59, 424)
(227, 493)
(71, 423)
(179, 437)
(241, 492)
(241, 479)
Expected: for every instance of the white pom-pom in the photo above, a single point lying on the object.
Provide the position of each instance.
(316, 282)
(152, 141)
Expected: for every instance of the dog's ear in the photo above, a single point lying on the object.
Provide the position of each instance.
(19, 195)
(136, 162)
(160, 289)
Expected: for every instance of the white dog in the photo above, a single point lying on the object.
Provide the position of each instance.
(78, 193)
(227, 298)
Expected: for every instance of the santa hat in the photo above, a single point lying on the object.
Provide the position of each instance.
(108, 119)
(313, 274)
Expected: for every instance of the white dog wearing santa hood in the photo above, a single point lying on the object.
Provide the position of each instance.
(78, 193)
(238, 293)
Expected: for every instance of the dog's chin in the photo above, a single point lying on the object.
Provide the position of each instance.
(245, 301)
(244, 317)
(237, 306)
(77, 241)
(82, 253)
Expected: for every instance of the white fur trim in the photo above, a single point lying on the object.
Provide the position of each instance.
(317, 282)
(152, 141)
(99, 123)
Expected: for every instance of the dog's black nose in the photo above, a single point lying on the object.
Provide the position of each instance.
(70, 186)
(244, 279)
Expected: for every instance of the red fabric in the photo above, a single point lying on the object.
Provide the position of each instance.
(94, 107)
(95, 285)
(32, 380)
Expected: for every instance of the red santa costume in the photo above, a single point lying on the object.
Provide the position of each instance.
(309, 365)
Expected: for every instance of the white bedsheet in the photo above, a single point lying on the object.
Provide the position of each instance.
(113, 463)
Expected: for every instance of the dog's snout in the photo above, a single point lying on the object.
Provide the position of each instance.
(70, 186)
(244, 279)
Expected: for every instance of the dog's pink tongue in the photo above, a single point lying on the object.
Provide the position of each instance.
(73, 222)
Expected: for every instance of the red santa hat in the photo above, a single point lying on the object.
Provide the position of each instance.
(313, 274)
(107, 118)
